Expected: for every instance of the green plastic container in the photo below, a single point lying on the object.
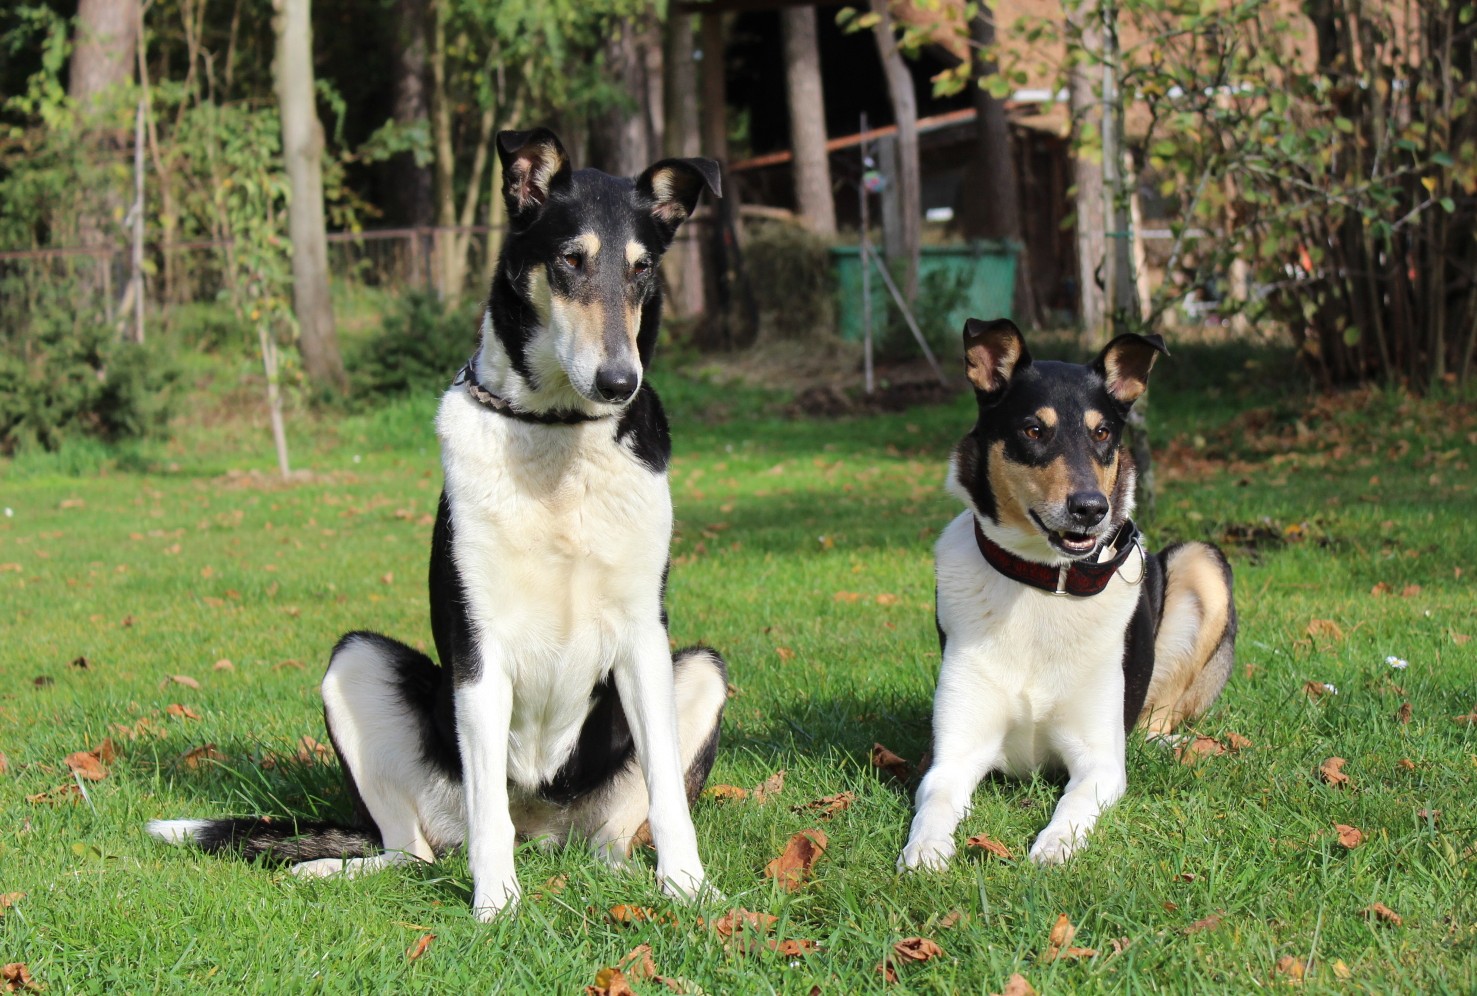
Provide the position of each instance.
(974, 279)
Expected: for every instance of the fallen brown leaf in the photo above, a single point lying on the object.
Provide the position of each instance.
(1383, 913)
(739, 920)
(182, 711)
(1404, 713)
(9, 899)
(771, 786)
(885, 760)
(610, 982)
(4, 763)
(223, 665)
(1236, 741)
(419, 947)
(1209, 923)
(1410, 591)
(1469, 719)
(1325, 627)
(792, 869)
(1315, 690)
(87, 764)
(68, 792)
(196, 756)
(17, 977)
(184, 679)
(827, 807)
(887, 598)
(638, 963)
(1062, 932)
(792, 947)
(1431, 816)
(1350, 837)
(1292, 968)
(951, 918)
(726, 792)
(840, 596)
(1406, 763)
(989, 844)
(917, 949)
(1332, 772)
(80, 663)
(1198, 747)
(786, 654)
(1016, 985)
(1380, 589)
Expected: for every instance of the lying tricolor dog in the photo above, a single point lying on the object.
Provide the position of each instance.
(559, 708)
(1058, 631)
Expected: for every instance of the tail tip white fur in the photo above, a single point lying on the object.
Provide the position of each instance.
(176, 831)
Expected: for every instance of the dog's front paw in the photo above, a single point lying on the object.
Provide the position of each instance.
(1055, 846)
(498, 901)
(688, 886)
(929, 855)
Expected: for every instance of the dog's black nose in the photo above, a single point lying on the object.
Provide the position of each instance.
(615, 383)
(1087, 508)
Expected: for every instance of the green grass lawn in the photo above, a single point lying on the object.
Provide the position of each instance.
(803, 553)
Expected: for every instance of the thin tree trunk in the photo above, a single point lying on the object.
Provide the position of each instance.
(619, 137)
(683, 264)
(103, 50)
(720, 328)
(302, 150)
(445, 151)
(909, 177)
(812, 164)
(274, 395)
(1087, 176)
(412, 198)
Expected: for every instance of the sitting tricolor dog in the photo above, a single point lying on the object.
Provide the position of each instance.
(1058, 631)
(558, 708)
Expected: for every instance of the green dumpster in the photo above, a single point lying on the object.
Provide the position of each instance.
(973, 279)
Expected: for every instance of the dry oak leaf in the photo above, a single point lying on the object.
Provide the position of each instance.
(624, 913)
(885, 760)
(1209, 923)
(1292, 968)
(951, 918)
(9, 899)
(1383, 913)
(917, 949)
(1016, 985)
(1350, 837)
(792, 947)
(4, 763)
(1469, 719)
(828, 806)
(1406, 763)
(16, 977)
(1236, 741)
(1325, 627)
(1404, 713)
(62, 793)
(610, 982)
(738, 920)
(989, 844)
(87, 764)
(1058, 943)
(1332, 772)
(1315, 690)
(419, 947)
(792, 868)
(182, 711)
(786, 654)
(771, 786)
(196, 756)
(223, 665)
(725, 792)
(638, 963)
(183, 679)
(1197, 747)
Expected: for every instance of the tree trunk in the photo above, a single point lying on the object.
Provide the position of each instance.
(908, 180)
(445, 150)
(302, 151)
(719, 330)
(681, 137)
(1087, 176)
(103, 53)
(619, 138)
(412, 198)
(812, 164)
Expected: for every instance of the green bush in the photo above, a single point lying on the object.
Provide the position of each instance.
(794, 284)
(65, 374)
(419, 348)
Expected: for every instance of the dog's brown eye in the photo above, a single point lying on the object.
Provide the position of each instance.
(1101, 434)
(1032, 432)
(573, 260)
(640, 267)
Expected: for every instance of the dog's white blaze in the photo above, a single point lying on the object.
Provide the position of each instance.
(176, 831)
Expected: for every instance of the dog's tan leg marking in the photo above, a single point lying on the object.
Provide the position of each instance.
(1193, 652)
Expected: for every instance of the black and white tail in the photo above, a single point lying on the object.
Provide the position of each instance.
(273, 841)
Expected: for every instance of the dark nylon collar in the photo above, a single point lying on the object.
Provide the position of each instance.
(484, 397)
(1078, 578)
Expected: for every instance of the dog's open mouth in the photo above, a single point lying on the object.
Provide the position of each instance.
(1070, 543)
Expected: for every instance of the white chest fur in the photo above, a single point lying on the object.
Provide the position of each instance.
(560, 537)
(1039, 663)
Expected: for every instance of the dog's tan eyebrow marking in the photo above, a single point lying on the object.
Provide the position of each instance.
(589, 244)
(1093, 418)
(634, 251)
(1047, 416)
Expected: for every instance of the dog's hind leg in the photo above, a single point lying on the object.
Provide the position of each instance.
(378, 703)
(613, 816)
(1197, 636)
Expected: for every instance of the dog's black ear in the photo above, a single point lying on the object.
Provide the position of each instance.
(534, 164)
(993, 353)
(1125, 363)
(674, 185)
